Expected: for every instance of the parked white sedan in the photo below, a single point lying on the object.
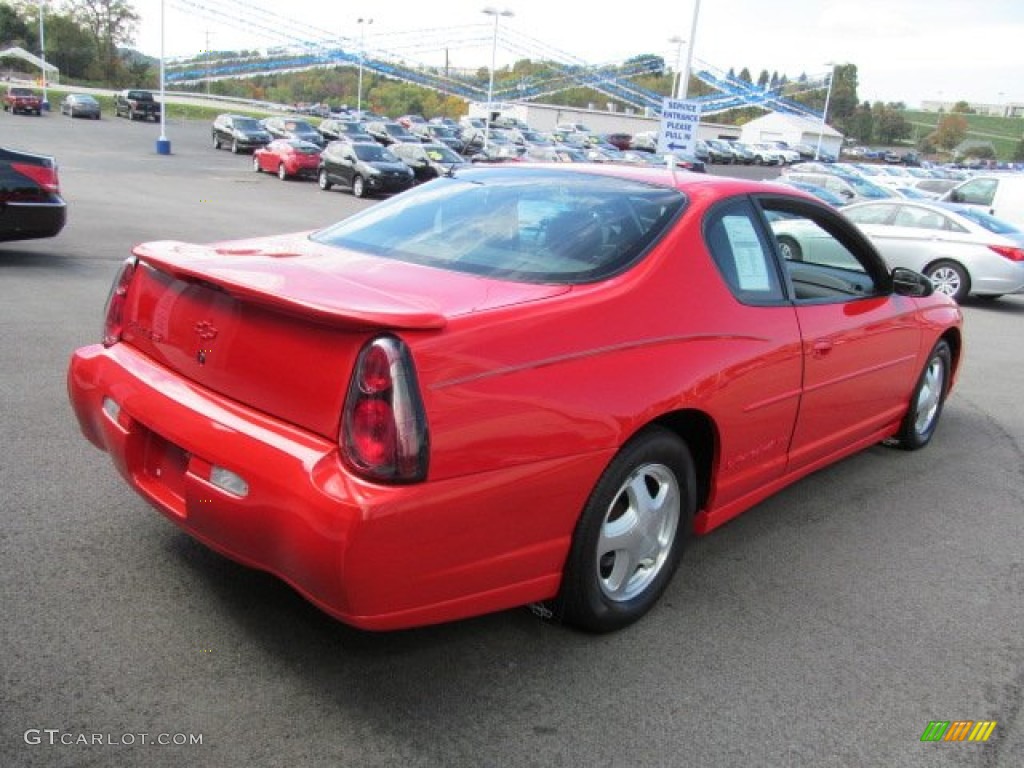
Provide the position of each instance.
(960, 249)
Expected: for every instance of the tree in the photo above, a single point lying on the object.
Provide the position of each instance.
(14, 30)
(764, 78)
(745, 75)
(889, 124)
(69, 46)
(950, 131)
(111, 23)
(963, 108)
(861, 125)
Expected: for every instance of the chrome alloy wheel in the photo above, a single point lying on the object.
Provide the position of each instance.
(637, 532)
(929, 397)
(946, 280)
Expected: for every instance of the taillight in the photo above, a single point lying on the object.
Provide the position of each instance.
(43, 175)
(113, 324)
(384, 427)
(1009, 252)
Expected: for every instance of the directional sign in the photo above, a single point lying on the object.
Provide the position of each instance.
(679, 120)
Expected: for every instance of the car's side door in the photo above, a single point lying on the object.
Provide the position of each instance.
(860, 342)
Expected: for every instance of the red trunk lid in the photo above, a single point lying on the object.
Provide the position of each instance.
(277, 323)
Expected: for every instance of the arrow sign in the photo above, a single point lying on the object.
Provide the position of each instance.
(679, 121)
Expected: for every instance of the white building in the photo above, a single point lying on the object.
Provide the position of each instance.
(792, 129)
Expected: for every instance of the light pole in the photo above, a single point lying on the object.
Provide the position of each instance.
(491, 11)
(684, 83)
(362, 55)
(678, 42)
(163, 144)
(824, 115)
(42, 53)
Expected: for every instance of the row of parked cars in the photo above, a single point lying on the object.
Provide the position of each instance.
(964, 232)
(379, 155)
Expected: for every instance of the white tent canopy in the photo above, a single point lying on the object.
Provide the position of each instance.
(20, 53)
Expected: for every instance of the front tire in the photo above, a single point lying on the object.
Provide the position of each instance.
(922, 416)
(256, 164)
(282, 174)
(234, 147)
(216, 142)
(790, 248)
(631, 534)
(949, 278)
(359, 186)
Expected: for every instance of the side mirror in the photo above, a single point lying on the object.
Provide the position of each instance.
(956, 196)
(847, 193)
(907, 282)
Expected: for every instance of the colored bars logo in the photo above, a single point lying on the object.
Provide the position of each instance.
(958, 730)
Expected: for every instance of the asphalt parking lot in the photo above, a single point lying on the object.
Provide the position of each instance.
(826, 627)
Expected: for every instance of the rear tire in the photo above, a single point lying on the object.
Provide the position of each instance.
(631, 534)
(925, 408)
(323, 181)
(949, 278)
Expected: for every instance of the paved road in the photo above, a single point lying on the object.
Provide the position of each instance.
(826, 627)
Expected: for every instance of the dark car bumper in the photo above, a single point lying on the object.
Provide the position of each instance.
(28, 221)
(387, 182)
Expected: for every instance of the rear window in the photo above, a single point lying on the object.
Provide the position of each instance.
(537, 226)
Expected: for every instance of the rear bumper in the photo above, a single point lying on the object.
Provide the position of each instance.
(376, 557)
(28, 221)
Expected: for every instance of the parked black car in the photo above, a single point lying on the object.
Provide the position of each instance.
(364, 168)
(30, 202)
(80, 105)
(334, 128)
(239, 133)
(428, 161)
(430, 133)
(292, 128)
(389, 132)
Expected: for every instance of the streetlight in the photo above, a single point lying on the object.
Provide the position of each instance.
(824, 115)
(163, 144)
(684, 83)
(362, 56)
(678, 42)
(42, 52)
(491, 11)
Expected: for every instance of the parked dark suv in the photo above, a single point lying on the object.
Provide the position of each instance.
(363, 167)
(239, 133)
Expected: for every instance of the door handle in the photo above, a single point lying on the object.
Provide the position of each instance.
(821, 347)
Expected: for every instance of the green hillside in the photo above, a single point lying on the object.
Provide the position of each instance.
(1005, 133)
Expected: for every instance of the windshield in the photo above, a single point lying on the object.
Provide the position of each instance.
(247, 124)
(532, 226)
(373, 153)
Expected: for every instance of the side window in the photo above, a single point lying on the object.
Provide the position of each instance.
(824, 259)
(977, 191)
(734, 236)
(919, 218)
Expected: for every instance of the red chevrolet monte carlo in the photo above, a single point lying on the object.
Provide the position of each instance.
(515, 385)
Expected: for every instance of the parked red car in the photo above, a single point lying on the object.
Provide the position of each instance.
(518, 384)
(288, 158)
(24, 100)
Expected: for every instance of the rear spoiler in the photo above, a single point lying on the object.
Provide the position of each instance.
(264, 276)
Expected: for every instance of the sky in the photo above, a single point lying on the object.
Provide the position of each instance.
(905, 50)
